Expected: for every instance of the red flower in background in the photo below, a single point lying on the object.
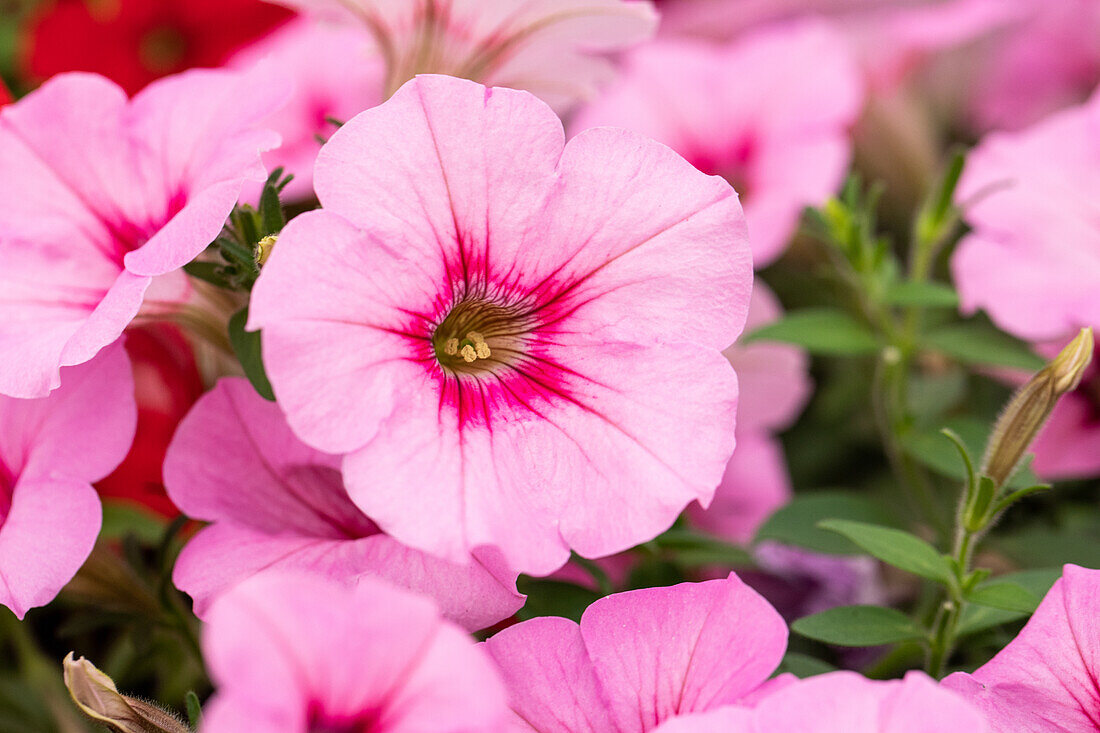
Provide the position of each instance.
(134, 42)
(166, 383)
(5, 95)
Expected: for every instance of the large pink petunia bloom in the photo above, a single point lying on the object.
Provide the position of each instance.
(1033, 259)
(1046, 678)
(770, 112)
(291, 653)
(99, 195)
(556, 49)
(774, 385)
(640, 658)
(275, 503)
(334, 72)
(844, 702)
(516, 341)
(51, 451)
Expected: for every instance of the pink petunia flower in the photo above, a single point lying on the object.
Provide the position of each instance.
(892, 39)
(844, 702)
(769, 112)
(640, 658)
(334, 72)
(1047, 61)
(556, 49)
(1045, 679)
(275, 503)
(774, 385)
(1033, 259)
(295, 652)
(516, 342)
(51, 451)
(99, 195)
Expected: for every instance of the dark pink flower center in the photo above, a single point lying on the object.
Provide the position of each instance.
(321, 722)
(7, 489)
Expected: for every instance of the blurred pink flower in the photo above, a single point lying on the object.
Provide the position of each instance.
(844, 702)
(275, 503)
(99, 195)
(1047, 61)
(516, 344)
(891, 39)
(1046, 678)
(774, 386)
(769, 112)
(334, 72)
(640, 658)
(291, 653)
(556, 49)
(1033, 259)
(51, 451)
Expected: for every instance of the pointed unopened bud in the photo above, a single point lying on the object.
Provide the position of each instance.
(1030, 407)
(98, 698)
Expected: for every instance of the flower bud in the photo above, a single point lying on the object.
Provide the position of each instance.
(264, 247)
(98, 698)
(1030, 407)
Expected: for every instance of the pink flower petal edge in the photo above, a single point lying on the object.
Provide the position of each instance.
(51, 451)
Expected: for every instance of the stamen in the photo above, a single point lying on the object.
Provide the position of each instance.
(451, 347)
(482, 349)
(468, 354)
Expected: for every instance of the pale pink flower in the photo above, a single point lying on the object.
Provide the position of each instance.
(844, 702)
(770, 112)
(640, 658)
(99, 195)
(51, 451)
(1033, 259)
(774, 385)
(556, 49)
(275, 503)
(334, 73)
(516, 341)
(1046, 678)
(294, 653)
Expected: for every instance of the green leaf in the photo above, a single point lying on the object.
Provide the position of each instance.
(859, 626)
(1006, 595)
(246, 345)
(977, 618)
(211, 272)
(820, 331)
(194, 709)
(975, 342)
(121, 519)
(796, 522)
(693, 548)
(554, 598)
(272, 219)
(926, 294)
(895, 547)
(803, 665)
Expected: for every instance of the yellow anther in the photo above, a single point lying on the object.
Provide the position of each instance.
(482, 349)
(468, 354)
(451, 347)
